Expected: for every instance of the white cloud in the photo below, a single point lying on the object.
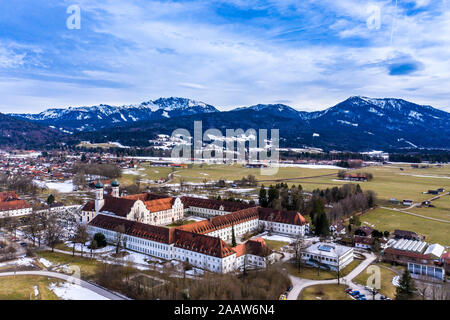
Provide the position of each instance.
(178, 49)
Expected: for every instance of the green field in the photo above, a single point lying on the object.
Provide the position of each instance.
(391, 182)
(383, 219)
(22, 288)
(325, 292)
(441, 209)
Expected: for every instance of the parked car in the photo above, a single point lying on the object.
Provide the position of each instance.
(289, 289)
(348, 290)
(23, 244)
(383, 297)
(355, 293)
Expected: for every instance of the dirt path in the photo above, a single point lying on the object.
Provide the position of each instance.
(415, 214)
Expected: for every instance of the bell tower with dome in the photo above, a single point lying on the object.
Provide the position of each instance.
(99, 201)
(115, 188)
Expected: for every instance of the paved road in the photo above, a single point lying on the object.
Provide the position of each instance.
(105, 293)
(298, 284)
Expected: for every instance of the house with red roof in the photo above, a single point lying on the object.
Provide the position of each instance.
(12, 206)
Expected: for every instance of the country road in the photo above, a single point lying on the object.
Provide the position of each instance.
(100, 291)
(415, 214)
(299, 284)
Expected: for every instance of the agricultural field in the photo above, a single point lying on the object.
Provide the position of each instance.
(325, 292)
(440, 209)
(390, 181)
(384, 219)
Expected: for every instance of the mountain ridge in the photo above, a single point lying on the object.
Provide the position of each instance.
(357, 123)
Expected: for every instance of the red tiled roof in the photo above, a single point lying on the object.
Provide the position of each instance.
(89, 206)
(220, 222)
(14, 205)
(288, 217)
(257, 247)
(5, 195)
(181, 239)
(239, 249)
(133, 228)
(159, 204)
(118, 206)
(409, 254)
(200, 243)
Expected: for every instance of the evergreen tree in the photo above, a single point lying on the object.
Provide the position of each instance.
(50, 199)
(263, 197)
(317, 207)
(273, 195)
(406, 287)
(321, 224)
(233, 237)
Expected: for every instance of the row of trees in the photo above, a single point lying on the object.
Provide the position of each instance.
(109, 170)
(348, 206)
(266, 284)
(19, 183)
(281, 197)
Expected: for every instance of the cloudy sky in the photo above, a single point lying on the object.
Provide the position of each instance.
(309, 54)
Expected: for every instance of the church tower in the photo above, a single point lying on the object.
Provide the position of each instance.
(115, 189)
(99, 201)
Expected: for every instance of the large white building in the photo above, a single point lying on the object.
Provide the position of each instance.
(145, 207)
(201, 243)
(202, 251)
(331, 255)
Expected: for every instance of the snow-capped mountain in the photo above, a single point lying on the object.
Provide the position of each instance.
(356, 124)
(92, 118)
(277, 110)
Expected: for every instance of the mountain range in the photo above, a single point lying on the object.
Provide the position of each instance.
(356, 124)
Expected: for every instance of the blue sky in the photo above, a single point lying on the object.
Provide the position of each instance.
(309, 54)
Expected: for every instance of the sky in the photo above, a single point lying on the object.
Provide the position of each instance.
(309, 54)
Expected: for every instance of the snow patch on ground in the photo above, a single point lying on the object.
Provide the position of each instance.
(310, 166)
(128, 171)
(36, 291)
(424, 176)
(237, 190)
(396, 281)
(275, 237)
(45, 262)
(62, 187)
(70, 291)
(22, 261)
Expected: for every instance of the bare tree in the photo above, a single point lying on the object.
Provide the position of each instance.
(299, 246)
(81, 236)
(53, 231)
(33, 227)
(120, 230)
